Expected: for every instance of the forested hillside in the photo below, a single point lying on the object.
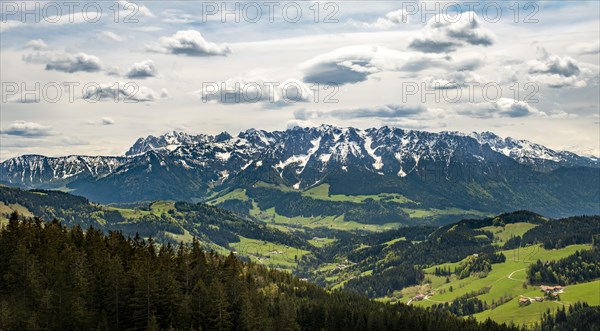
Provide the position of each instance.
(66, 279)
(165, 221)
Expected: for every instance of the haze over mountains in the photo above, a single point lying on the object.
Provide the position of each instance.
(437, 170)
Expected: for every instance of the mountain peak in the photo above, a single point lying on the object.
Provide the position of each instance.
(223, 136)
(166, 142)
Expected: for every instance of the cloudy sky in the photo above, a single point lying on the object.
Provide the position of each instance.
(81, 82)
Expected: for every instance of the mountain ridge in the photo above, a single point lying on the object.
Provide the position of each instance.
(522, 151)
(436, 170)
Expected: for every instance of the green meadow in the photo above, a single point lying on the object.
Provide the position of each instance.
(507, 280)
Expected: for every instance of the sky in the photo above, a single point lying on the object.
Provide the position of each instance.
(92, 77)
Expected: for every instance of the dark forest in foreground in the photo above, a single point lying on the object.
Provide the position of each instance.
(55, 278)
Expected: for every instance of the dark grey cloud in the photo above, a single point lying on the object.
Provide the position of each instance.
(28, 130)
(444, 34)
(142, 70)
(350, 65)
(433, 46)
(189, 43)
(338, 73)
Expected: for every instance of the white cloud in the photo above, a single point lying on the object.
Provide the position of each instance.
(133, 9)
(29, 130)
(453, 80)
(111, 36)
(66, 62)
(256, 90)
(513, 108)
(414, 124)
(9, 25)
(36, 44)
(142, 70)
(588, 48)
(190, 43)
(164, 94)
(556, 71)
(107, 121)
(559, 81)
(553, 64)
(503, 107)
(390, 20)
(300, 123)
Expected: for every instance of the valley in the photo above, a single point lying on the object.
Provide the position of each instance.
(390, 262)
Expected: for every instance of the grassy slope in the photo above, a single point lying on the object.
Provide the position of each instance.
(321, 192)
(501, 285)
(588, 292)
(269, 254)
(502, 234)
(6, 210)
(237, 194)
(334, 222)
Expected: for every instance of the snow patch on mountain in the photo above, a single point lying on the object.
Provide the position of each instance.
(378, 164)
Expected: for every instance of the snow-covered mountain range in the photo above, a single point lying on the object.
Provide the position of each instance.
(384, 151)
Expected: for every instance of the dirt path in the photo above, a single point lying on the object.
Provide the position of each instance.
(512, 273)
(427, 298)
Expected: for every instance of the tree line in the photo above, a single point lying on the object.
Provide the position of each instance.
(559, 233)
(582, 266)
